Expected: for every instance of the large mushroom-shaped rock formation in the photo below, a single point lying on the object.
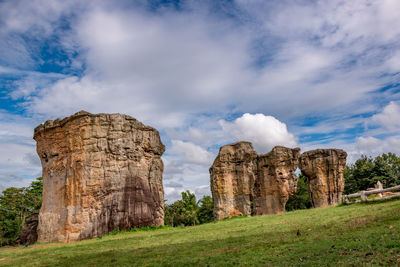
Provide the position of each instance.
(232, 177)
(100, 172)
(276, 180)
(324, 171)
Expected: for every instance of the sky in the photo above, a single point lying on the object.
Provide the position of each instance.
(299, 73)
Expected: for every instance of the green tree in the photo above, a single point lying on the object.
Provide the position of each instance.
(300, 200)
(16, 204)
(205, 211)
(366, 172)
(187, 210)
(190, 208)
(173, 214)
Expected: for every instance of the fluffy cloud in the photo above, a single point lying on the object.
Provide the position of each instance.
(169, 67)
(264, 132)
(186, 168)
(389, 117)
(19, 163)
(157, 68)
(191, 153)
(182, 71)
(373, 146)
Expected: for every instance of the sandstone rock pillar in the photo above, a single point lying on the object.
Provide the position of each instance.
(232, 177)
(276, 180)
(324, 169)
(100, 172)
(239, 176)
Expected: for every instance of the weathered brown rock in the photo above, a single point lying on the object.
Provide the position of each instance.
(100, 172)
(324, 170)
(276, 180)
(239, 176)
(232, 177)
(28, 234)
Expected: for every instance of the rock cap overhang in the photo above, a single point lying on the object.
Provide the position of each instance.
(51, 124)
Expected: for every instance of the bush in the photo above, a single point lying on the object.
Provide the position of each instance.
(17, 204)
(188, 211)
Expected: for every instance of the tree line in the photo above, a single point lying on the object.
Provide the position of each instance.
(367, 171)
(17, 204)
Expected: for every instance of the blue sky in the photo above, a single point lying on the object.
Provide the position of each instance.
(313, 74)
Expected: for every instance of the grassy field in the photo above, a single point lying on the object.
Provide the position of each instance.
(359, 234)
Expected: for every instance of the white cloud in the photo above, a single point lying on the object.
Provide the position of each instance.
(159, 69)
(172, 194)
(394, 62)
(202, 190)
(372, 146)
(186, 168)
(183, 71)
(389, 117)
(190, 152)
(263, 131)
(170, 67)
(19, 163)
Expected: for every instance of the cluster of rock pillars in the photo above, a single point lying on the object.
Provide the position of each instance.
(243, 182)
(104, 171)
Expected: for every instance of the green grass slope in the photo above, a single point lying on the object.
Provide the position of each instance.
(360, 234)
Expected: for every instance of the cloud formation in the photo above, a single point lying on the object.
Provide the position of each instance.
(389, 117)
(264, 132)
(294, 73)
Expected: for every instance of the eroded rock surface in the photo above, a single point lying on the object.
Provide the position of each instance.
(28, 234)
(100, 172)
(276, 180)
(240, 176)
(324, 169)
(232, 178)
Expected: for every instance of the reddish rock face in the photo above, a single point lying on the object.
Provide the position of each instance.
(276, 180)
(324, 169)
(239, 176)
(232, 178)
(100, 172)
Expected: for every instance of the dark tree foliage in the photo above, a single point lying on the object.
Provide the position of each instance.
(188, 211)
(16, 204)
(173, 213)
(300, 200)
(206, 208)
(366, 172)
